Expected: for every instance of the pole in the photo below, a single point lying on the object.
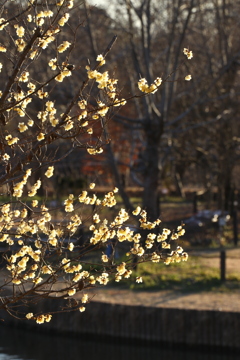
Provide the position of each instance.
(235, 224)
(223, 265)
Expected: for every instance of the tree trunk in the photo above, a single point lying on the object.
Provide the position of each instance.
(151, 195)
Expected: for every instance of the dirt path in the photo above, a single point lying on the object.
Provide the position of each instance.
(211, 258)
(205, 300)
(229, 301)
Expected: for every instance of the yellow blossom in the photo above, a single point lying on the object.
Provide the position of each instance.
(118, 277)
(48, 317)
(49, 172)
(137, 211)
(63, 19)
(85, 298)
(24, 76)
(46, 269)
(100, 58)
(29, 316)
(16, 281)
(71, 292)
(34, 203)
(69, 125)
(82, 104)
(188, 77)
(188, 53)
(184, 256)
(42, 94)
(53, 64)
(61, 48)
(22, 127)
(144, 87)
(20, 31)
(20, 44)
(5, 157)
(121, 268)
(70, 246)
(92, 186)
(11, 140)
(40, 136)
(165, 245)
(2, 48)
(155, 257)
(104, 258)
(32, 275)
(91, 151)
(40, 319)
(167, 261)
(2, 20)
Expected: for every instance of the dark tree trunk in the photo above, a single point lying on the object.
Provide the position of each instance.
(151, 196)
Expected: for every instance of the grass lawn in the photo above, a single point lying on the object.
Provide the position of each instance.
(200, 273)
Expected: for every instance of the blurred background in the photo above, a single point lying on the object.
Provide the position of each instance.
(176, 153)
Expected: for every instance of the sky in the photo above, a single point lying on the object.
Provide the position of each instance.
(100, 2)
(107, 4)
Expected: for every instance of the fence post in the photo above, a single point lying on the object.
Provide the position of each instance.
(235, 224)
(223, 265)
(195, 204)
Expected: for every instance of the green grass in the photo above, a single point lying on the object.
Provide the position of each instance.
(190, 276)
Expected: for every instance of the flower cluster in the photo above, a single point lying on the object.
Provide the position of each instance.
(39, 319)
(30, 265)
(188, 53)
(47, 253)
(149, 89)
(18, 188)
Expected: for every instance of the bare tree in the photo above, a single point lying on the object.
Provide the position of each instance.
(153, 47)
(171, 128)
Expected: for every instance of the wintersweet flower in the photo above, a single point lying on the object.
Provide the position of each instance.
(137, 211)
(40, 136)
(22, 127)
(188, 77)
(40, 319)
(29, 316)
(188, 53)
(104, 258)
(85, 298)
(3, 48)
(63, 19)
(61, 48)
(20, 31)
(49, 172)
(48, 317)
(71, 292)
(5, 157)
(144, 87)
(20, 44)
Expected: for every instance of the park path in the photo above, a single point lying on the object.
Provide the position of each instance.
(202, 300)
(221, 301)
